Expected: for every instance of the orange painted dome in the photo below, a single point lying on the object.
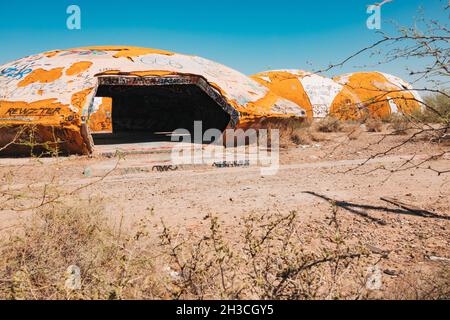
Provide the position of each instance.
(56, 89)
(320, 96)
(381, 94)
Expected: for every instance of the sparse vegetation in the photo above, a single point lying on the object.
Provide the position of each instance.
(270, 256)
(33, 263)
(329, 124)
(353, 131)
(272, 259)
(292, 131)
(267, 263)
(438, 110)
(399, 123)
(374, 124)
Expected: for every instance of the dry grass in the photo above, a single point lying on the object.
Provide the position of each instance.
(268, 261)
(353, 131)
(399, 123)
(329, 124)
(271, 259)
(33, 263)
(374, 125)
(292, 131)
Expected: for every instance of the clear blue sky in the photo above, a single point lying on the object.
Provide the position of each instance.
(248, 35)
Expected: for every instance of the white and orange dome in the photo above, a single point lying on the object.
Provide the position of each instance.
(320, 96)
(55, 90)
(381, 94)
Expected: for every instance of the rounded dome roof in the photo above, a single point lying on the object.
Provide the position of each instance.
(317, 94)
(380, 93)
(56, 89)
(67, 78)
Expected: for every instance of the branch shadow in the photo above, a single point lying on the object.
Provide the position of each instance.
(352, 207)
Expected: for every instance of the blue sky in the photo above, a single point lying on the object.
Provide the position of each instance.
(248, 35)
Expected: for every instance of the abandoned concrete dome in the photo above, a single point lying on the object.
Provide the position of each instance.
(381, 94)
(320, 96)
(66, 95)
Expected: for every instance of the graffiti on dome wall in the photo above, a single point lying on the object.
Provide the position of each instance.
(56, 89)
(100, 115)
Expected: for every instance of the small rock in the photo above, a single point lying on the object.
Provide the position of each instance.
(73, 278)
(391, 273)
(374, 281)
(87, 172)
(436, 258)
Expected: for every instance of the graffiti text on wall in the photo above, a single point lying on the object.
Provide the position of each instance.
(15, 73)
(83, 53)
(37, 112)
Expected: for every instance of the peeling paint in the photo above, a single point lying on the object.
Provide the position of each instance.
(41, 76)
(78, 67)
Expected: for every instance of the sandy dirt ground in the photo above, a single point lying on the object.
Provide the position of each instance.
(308, 179)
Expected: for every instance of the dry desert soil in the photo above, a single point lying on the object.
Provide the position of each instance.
(311, 180)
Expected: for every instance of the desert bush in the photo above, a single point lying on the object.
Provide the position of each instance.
(329, 124)
(292, 131)
(374, 124)
(353, 130)
(439, 111)
(269, 260)
(300, 138)
(317, 136)
(399, 123)
(34, 263)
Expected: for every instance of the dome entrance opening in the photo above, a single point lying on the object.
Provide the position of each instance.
(150, 109)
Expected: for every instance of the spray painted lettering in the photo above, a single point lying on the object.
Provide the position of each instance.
(15, 73)
(36, 112)
(83, 53)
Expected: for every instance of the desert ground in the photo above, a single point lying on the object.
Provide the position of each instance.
(325, 180)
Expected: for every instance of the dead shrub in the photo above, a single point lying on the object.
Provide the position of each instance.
(269, 262)
(399, 123)
(353, 131)
(300, 139)
(292, 131)
(329, 124)
(374, 125)
(317, 136)
(34, 263)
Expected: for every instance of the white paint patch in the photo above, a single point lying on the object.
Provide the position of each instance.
(289, 107)
(394, 108)
(96, 104)
(321, 92)
(402, 85)
(344, 79)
